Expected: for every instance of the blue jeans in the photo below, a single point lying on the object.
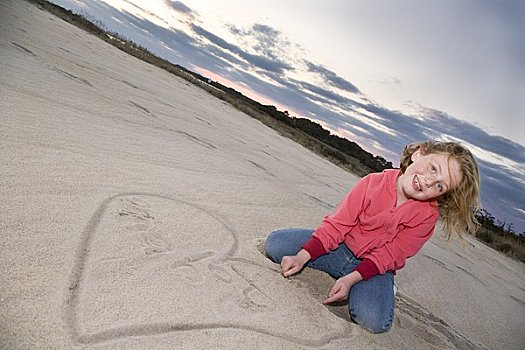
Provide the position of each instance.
(370, 303)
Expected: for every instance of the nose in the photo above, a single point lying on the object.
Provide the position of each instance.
(430, 180)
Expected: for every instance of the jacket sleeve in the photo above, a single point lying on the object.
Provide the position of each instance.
(393, 254)
(367, 269)
(334, 228)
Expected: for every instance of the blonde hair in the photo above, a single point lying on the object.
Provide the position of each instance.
(458, 206)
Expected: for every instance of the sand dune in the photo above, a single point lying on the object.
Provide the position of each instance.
(134, 205)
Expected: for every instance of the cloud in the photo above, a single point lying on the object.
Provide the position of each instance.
(228, 59)
(445, 123)
(272, 65)
(262, 38)
(266, 30)
(141, 9)
(332, 78)
(472, 66)
(323, 93)
(502, 195)
(180, 7)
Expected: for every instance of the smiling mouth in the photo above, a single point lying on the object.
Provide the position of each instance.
(417, 184)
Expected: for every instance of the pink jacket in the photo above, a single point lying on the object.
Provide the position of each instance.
(369, 223)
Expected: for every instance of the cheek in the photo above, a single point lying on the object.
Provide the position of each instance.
(436, 193)
(417, 168)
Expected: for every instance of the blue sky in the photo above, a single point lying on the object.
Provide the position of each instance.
(381, 73)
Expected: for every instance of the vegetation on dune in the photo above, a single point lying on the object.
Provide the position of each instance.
(340, 151)
(500, 235)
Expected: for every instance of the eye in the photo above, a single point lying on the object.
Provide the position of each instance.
(440, 187)
(433, 169)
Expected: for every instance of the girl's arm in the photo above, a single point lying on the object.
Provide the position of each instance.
(341, 287)
(392, 255)
(334, 228)
(290, 265)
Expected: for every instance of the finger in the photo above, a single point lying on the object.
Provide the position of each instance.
(335, 288)
(336, 297)
(328, 300)
(291, 271)
(285, 265)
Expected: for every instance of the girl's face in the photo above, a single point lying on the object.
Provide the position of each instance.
(428, 177)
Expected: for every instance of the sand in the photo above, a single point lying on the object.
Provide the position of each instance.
(134, 206)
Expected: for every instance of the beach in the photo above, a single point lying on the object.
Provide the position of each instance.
(135, 206)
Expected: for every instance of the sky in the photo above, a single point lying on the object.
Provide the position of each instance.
(381, 73)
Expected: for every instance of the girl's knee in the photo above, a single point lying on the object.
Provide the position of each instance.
(373, 319)
(285, 242)
(273, 246)
(270, 248)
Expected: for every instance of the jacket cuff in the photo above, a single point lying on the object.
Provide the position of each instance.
(367, 269)
(314, 247)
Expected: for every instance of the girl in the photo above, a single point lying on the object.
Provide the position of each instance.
(385, 219)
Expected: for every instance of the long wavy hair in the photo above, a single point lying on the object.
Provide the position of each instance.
(458, 206)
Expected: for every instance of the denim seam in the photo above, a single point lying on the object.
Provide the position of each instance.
(328, 269)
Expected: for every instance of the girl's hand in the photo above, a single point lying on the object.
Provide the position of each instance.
(341, 287)
(290, 265)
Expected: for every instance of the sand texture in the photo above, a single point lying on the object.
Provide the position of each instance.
(134, 205)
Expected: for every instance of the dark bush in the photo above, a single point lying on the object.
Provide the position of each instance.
(504, 247)
(485, 236)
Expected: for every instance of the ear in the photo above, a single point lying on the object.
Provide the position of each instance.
(417, 154)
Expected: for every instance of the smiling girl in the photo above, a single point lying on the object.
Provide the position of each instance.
(386, 218)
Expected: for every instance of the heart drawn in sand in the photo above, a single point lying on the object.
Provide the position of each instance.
(149, 265)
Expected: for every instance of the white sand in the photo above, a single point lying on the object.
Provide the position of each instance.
(134, 204)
